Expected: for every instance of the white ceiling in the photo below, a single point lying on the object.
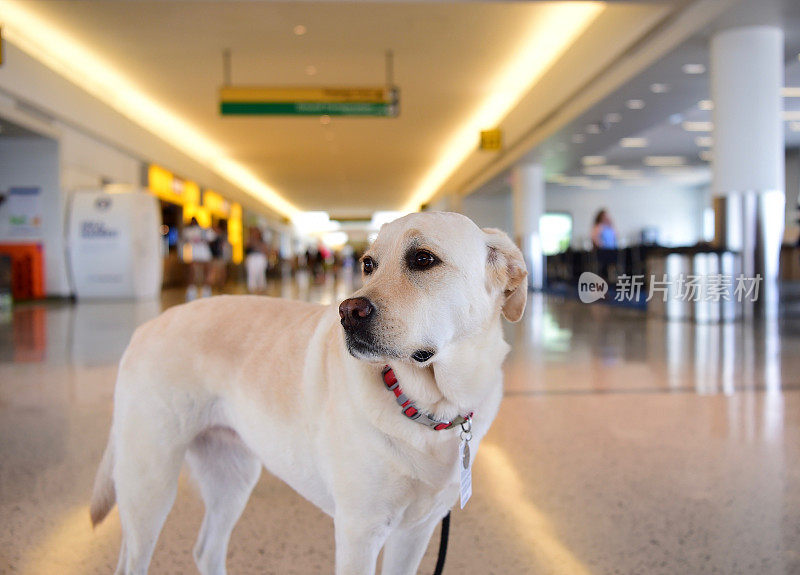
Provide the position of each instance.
(660, 121)
(446, 56)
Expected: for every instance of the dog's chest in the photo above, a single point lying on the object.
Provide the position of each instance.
(435, 465)
(429, 500)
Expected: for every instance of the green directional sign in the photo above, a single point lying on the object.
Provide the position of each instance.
(309, 102)
(308, 109)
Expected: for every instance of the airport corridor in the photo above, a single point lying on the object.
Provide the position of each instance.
(623, 445)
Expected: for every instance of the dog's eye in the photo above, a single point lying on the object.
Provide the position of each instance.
(368, 265)
(422, 259)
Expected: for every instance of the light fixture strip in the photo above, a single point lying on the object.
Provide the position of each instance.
(554, 29)
(70, 59)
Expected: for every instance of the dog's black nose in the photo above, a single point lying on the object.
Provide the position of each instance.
(355, 311)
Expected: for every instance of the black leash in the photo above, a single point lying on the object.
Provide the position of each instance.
(443, 545)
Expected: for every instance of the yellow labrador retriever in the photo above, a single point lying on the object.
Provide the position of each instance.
(311, 392)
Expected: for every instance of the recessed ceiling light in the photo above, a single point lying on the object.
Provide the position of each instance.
(676, 170)
(698, 126)
(664, 161)
(599, 185)
(299, 30)
(658, 88)
(637, 182)
(704, 141)
(593, 160)
(311, 70)
(685, 175)
(705, 155)
(578, 138)
(612, 118)
(593, 129)
(626, 174)
(790, 92)
(705, 105)
(635, 104)
(633, 142)
(693, 68)
(600, 170)
(578, 181)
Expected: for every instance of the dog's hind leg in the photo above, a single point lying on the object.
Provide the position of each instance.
(146, 480)
(226, 471)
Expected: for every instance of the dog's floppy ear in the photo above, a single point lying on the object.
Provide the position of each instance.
(506, 268)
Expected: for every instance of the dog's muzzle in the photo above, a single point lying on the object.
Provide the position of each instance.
(357, 317)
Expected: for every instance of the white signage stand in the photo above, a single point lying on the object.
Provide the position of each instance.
(114, 245)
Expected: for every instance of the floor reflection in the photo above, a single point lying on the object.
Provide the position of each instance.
(569, 347)
(624, 444)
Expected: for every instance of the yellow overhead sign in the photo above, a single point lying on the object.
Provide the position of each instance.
(216, 204)
(492, 139)
(236, 233)
(170, 188)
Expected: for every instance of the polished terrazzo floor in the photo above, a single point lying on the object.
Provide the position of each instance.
(624, 445)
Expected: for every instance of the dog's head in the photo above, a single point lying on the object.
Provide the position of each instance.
(431, 279)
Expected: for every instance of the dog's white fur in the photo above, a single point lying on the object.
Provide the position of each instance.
(230, 383)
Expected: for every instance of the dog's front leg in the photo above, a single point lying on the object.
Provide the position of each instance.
(405, 547)
(359, 539)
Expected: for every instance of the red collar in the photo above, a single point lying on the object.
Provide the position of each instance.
(410, 410)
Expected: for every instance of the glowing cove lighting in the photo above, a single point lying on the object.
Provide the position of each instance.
(70, 59)
(554, 29)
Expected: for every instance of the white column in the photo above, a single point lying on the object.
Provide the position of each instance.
(746, 82)
(748, 164)
(528, 193)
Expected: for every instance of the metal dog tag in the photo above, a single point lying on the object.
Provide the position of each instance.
(465, 465)
(465, 462)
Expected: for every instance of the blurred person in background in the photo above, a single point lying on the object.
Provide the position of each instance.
(255, 262)
(199, 240)
(321, 262)
(221, 252)
(604, 240)
(604, 236)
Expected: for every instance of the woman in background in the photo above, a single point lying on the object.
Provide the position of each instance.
(604, 240)
(604, 236)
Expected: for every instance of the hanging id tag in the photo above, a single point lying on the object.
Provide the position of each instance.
(465, 463)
